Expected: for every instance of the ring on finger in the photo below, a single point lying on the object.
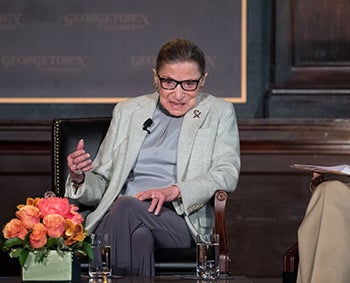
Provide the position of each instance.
(79, 172)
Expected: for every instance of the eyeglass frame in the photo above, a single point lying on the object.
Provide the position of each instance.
(179, 83)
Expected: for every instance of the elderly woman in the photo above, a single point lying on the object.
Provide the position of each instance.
(164, 156)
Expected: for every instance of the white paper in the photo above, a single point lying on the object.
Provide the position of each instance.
(342, 169)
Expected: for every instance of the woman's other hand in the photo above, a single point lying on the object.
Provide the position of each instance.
(159, 196)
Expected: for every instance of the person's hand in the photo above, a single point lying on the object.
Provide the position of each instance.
(158, 197)
(317, 178)
(78, 163)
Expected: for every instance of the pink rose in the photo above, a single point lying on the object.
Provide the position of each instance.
(14, 229)
(54, 205)
(76, 217)
(37, 238)
(29, 215)
(54, 224)
(61, 206)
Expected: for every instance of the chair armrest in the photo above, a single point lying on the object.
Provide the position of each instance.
(291, 259)
(220, 228)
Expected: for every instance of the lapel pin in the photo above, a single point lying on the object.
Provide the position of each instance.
(196, 113)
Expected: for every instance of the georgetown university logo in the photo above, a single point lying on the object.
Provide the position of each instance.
(9, 21)
(110, 21)
(46, 63)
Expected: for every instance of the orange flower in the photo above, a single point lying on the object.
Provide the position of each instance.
(54, 224)
(37, 238)
(30, 201)
(14, 229)
(29, 215)
(73, 233)
(42, 220)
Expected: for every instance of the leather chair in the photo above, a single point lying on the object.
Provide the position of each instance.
(65, 135)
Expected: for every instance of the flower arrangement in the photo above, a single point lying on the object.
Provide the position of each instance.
(44, 224)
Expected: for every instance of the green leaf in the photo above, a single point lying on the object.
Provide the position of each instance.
(88, 249)
(41, 255)
(9, 243)
(16, 252)
(23, 257)
(60, 253)
(51, 242)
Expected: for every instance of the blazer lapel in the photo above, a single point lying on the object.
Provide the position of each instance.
(192, 122)
(137, 134)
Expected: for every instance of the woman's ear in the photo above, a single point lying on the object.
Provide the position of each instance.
(155, 77)
(202, 81)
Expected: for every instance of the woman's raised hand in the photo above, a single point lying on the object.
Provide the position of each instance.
(79, 162)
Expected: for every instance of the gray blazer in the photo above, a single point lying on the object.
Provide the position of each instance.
(208, 158)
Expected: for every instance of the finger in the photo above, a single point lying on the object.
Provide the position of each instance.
(79, 151)
(153, 205)
(81, 170)
(80, 144)
(77, 157)
(159, 206)
(70, 161)
(142, 196)
(79, 167)
(83, 161)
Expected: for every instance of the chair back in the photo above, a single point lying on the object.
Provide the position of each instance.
(65, 136)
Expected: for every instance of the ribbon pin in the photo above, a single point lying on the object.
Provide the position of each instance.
(196, 113)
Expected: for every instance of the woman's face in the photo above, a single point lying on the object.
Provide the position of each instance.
(178, 101)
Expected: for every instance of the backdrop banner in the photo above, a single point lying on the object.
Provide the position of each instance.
(88, 51)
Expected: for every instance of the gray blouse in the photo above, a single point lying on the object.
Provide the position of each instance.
(155, 166)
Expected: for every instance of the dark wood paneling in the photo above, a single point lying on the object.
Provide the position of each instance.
(25, 172)
(321, 32)
(310, 60)
(311, 43)
(264, 212)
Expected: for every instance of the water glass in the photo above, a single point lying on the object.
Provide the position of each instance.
(100, 266)
(207, 256)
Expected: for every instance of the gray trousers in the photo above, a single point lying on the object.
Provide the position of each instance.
(136, 232)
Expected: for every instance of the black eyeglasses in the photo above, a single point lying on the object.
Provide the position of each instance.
(170, 84)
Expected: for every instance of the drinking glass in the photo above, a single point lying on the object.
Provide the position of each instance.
(100, 266)
(207, 251)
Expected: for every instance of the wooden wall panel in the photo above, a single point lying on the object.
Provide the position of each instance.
(311, 43)
(25, 172)
(263, 214)
(321, 32)
(310, 60)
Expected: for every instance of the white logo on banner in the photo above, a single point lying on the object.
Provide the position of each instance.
(110, 21)
(46, 63)
(9, 21)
